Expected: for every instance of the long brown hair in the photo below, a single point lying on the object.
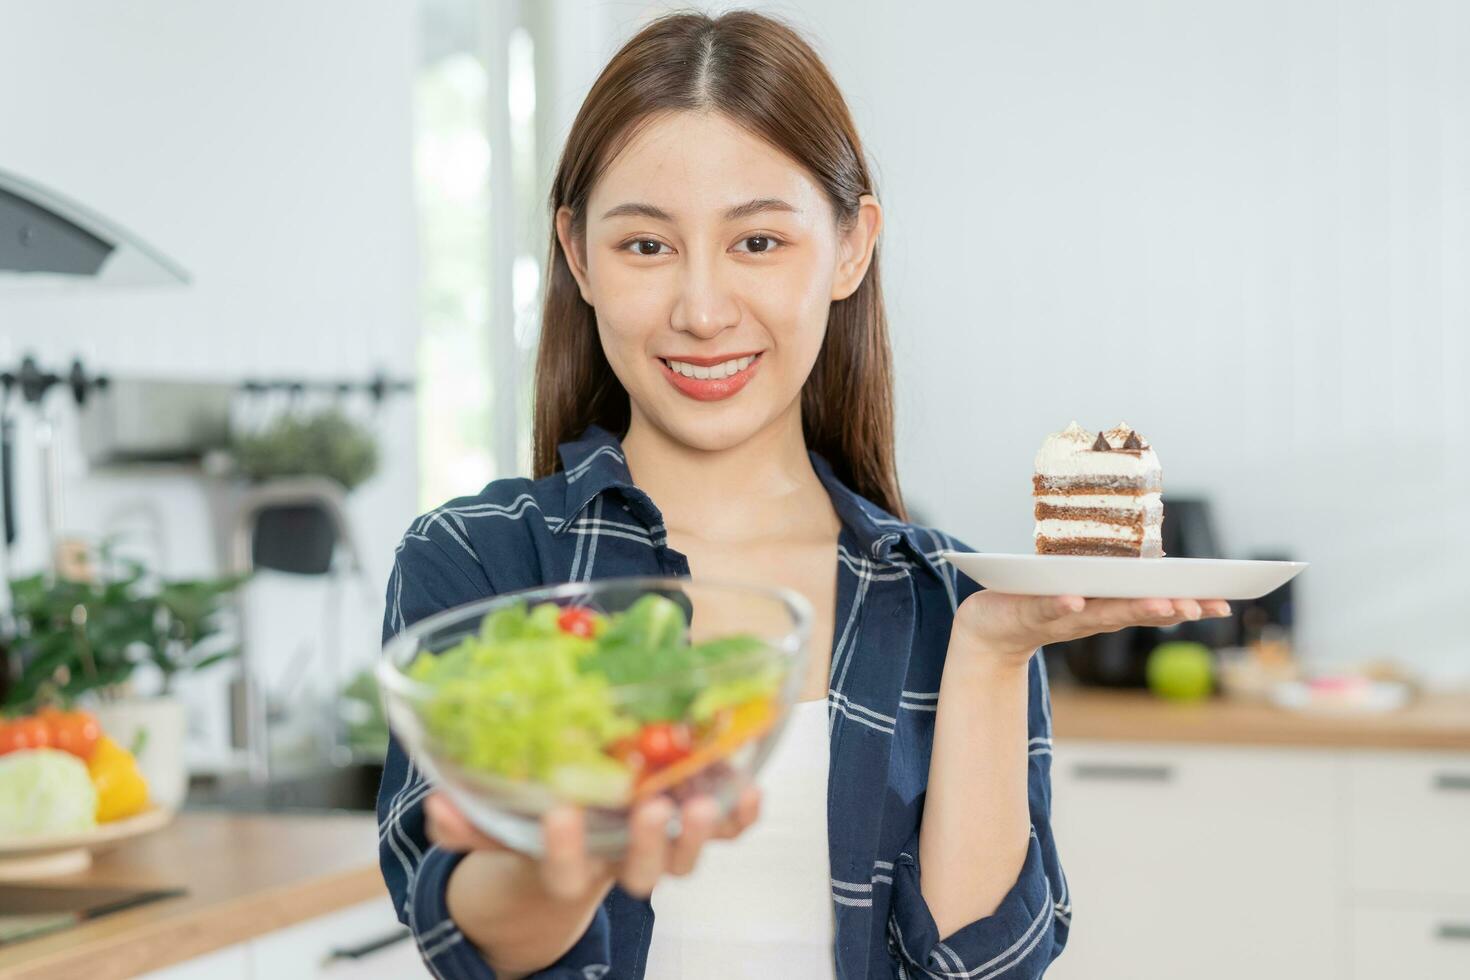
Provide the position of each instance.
(765, 77)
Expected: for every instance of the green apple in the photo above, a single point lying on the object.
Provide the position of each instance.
(1181, 671)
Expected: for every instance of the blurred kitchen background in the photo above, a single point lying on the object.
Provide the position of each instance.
(269, 285)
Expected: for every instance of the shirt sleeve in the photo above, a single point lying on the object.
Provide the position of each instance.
(1029, 928)
(429, 576)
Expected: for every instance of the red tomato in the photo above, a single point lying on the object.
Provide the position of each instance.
(663, 743)
(71, 731)
(576, 620)
(24, 733)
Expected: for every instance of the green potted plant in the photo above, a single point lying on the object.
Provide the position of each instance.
(82, 640)
(301, 536)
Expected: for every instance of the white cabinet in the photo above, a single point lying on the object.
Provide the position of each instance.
(1198, 862)
(1214, 862)
(1409, 823)
(1425, 941)
(230, 963)
(324, 947)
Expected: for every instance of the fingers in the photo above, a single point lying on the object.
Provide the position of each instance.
(1107, 615)
(648, 847)
(1053, 608)
(747, 811)
(1188, 609)
(699, 817)
(451, 830)
(567, 870)
(1182, 610)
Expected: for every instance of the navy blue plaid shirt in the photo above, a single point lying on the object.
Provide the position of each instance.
(895, 604)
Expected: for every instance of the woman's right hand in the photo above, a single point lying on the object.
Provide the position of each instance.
(566, 871)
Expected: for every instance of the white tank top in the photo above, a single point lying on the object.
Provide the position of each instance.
(759, 906)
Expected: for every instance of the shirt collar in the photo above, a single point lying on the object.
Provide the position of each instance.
(594, 463)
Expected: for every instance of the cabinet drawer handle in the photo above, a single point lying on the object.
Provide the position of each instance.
(1458, 932)
(1452, 781)
(1123, 771)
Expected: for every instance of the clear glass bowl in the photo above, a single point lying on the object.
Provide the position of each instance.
(725, 754)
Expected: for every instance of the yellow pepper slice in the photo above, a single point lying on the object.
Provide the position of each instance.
(121, 789)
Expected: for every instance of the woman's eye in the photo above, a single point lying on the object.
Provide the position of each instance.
(645, 246)
(758, 243)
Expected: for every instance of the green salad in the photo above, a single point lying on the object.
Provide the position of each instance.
(603, 709)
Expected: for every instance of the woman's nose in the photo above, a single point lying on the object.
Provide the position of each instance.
(706, 305)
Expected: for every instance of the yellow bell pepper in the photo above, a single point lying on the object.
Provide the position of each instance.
(121, 788)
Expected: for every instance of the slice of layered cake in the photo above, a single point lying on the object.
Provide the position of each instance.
(1098, 494)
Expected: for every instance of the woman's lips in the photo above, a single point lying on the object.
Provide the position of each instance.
(710, 389)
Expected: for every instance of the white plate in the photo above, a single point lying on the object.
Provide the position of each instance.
(1124, 578)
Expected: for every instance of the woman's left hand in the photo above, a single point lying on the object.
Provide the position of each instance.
(1006, 629)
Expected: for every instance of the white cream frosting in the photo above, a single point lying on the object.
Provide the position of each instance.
(1052, 528)
(1147, 502)
(1069, 453)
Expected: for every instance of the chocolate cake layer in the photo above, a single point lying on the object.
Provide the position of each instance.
(1097, 547)
(1121, 516)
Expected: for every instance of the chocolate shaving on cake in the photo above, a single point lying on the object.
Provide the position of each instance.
(1101, 445)
(1133, 442)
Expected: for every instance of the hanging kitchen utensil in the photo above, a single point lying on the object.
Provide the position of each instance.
(34, 384)
(7, 467)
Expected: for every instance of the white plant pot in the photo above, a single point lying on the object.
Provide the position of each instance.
(159, 724)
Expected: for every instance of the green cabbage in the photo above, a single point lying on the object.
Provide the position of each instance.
(43, 791)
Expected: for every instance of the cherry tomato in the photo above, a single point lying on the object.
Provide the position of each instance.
(71, 731)
(24, 733)
(663, 743)
(577, 620)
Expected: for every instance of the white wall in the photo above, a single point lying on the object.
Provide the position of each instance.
(267, 148)
(1241, 226)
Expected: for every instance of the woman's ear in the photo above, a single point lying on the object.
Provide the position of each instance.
(572, 249)
(855, 249)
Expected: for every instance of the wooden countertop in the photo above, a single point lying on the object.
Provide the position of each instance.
(1432, 721)
(246, 875)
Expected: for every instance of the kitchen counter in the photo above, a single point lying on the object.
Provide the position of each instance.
(246, 875)
(1433, 721)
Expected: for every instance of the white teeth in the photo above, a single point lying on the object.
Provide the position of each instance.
(722, 370)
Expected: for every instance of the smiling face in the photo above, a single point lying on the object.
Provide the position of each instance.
(711, 259)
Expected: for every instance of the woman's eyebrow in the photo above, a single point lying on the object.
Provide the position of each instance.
(759, 205)
(637, 209)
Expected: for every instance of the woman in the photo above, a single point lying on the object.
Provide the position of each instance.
(713, 394)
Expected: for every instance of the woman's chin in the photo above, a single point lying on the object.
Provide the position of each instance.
(711, 428)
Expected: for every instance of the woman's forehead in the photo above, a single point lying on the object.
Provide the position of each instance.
(698, 165)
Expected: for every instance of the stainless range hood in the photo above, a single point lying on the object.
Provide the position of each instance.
(47, 239)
